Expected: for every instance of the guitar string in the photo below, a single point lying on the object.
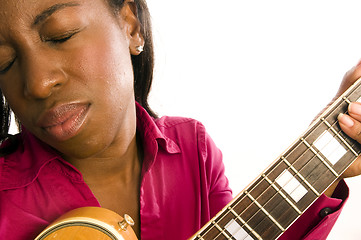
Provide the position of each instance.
(314, 157)
(247, 208)
(278, 163)
(300, 169)
(337, 133)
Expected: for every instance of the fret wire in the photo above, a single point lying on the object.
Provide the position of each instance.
(282, 194)
(320, 157)
(276, 165)
(241, 220)
(221, 230)
(264, 211)
(300, 176)
(267, 214)
(339, 136)
(245, 223)
(261, 208)
(214, 224)
(276, 188)
(279, 190)
(238, 216)
(338, 132)
(204, 233)
(346, 99)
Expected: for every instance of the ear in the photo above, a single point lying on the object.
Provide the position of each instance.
(131, 24)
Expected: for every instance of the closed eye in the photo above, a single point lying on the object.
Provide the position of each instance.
(7, 68)
(62, 38)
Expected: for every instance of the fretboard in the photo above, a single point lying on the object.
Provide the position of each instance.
(270, 204)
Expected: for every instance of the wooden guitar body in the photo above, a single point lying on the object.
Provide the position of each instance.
(89, 223)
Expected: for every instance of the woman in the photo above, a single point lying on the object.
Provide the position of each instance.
(77, 76)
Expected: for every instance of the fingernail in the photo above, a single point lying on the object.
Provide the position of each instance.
(354, 108)
(345, 120)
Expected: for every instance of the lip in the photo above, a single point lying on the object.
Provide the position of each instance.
(64, 122)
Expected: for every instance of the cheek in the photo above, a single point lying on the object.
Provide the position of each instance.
(106, 74)
(107, 62)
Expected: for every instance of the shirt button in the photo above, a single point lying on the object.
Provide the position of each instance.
(324, 212)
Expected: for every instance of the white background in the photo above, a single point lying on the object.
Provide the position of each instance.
(255, 73)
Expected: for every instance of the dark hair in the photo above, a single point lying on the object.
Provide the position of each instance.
(5, 118)
(142, 67)
(143, 64)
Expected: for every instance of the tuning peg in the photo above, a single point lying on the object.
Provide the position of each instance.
(127, 221)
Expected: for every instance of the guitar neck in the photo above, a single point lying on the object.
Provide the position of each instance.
(271, 203)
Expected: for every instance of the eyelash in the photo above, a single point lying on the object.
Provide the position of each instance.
(56, 40)
(62, 38)
(7, 68)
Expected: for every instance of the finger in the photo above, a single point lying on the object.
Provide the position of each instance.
(350, 126)
(354, 110)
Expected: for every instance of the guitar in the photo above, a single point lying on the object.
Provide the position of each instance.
(276, 198)
(90, 223)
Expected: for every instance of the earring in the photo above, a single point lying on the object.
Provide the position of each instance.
(139, 49)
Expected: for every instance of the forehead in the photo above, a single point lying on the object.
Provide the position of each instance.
(18, 16)
(27, 10)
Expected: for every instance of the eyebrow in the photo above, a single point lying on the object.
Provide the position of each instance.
(49, 11)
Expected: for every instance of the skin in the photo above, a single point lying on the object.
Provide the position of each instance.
(80, 53)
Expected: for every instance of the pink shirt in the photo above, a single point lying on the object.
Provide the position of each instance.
(183, 185)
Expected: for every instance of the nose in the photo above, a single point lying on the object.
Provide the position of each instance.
(42, 75)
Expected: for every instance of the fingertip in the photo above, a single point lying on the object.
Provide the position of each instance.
(354, 108)
(345, 120)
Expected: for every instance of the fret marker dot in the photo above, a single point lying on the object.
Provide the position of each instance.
(329, 147)
(237, 231)
(291, 185)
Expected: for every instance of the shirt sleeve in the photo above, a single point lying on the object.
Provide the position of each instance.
(320, 217)
(219, 194)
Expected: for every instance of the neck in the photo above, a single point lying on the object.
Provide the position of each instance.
(119, 161)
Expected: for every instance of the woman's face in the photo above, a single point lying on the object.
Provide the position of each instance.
(65, 69)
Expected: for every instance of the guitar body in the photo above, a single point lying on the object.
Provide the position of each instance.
(89, 223)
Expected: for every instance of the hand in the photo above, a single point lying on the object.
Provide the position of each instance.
(350, 124)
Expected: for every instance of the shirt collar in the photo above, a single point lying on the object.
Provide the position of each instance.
(152, 133)
(151, 129)
(21, 167)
